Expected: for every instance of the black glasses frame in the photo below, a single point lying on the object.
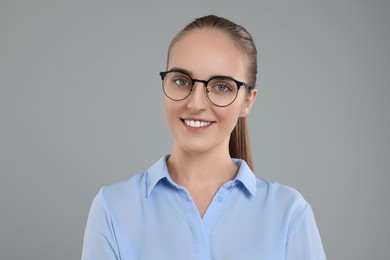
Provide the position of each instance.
(205, 82)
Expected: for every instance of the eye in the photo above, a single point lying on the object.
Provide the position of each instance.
(181, 81)
(221, 87)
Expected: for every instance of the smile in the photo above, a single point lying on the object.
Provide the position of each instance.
(197, 124)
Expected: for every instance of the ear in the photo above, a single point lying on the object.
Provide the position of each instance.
(248, 103)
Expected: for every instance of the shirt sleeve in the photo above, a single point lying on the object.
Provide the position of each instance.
(99, 238)
(304, 242)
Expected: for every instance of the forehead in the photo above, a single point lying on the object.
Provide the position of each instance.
(207, 52)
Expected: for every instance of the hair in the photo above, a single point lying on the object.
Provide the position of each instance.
(239, 144)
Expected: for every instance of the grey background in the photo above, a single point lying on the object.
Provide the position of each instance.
(81, 107)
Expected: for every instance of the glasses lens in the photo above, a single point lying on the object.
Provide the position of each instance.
(177, 85)
(222, 91)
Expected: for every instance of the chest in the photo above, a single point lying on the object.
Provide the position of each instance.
(170, 227)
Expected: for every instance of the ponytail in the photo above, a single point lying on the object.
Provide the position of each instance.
(239, 144)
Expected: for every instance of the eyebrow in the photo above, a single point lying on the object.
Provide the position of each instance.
(181, 70)
(189, 73)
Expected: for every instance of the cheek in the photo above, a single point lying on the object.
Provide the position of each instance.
(229, 116)
(233, 112)
(167, 110)
(169, 105)
(237, 107)
(166, 106)
(171, 109)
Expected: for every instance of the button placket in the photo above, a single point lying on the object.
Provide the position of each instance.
(196, 226)
(221, 195)
(217, 204)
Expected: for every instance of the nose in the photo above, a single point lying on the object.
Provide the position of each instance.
(197, 100)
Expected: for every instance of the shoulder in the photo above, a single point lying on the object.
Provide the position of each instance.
(271, 195)
(133, 191)
(277, 189)
(130, 190)
(279, 196)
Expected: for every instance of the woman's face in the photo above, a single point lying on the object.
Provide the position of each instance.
(197, 125)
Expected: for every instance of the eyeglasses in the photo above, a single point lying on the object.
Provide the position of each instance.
(220, 91)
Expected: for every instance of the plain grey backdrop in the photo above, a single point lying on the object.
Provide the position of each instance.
(81, 107)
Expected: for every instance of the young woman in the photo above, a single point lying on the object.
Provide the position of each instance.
(203, 201)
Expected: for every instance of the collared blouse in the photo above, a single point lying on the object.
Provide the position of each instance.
(151, 217)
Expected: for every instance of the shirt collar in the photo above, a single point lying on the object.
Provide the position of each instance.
(155, 173)
(159, 171)
(245, 176)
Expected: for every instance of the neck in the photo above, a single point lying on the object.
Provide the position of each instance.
(212, 167)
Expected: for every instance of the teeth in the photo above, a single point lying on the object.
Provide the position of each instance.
(193, 123)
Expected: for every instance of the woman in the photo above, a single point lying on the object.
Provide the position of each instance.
(203, 201)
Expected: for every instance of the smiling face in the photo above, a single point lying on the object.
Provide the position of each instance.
(197, 125)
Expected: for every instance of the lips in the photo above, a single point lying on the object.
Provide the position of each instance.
(197, 123)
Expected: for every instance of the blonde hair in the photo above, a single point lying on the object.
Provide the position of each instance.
(239, 145)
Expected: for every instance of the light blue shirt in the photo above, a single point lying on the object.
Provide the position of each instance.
(150, 217)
